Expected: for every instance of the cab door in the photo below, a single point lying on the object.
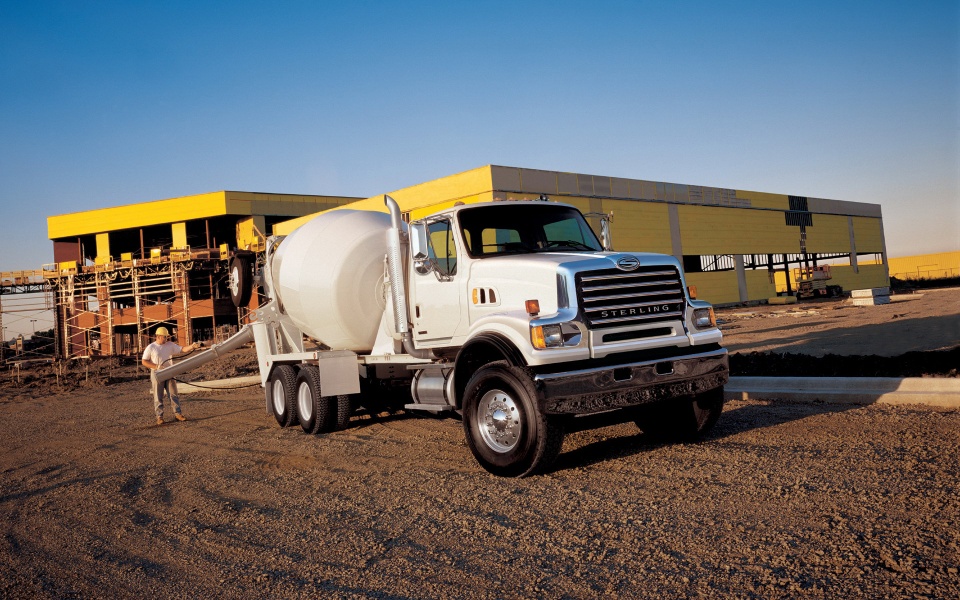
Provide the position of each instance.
(437, 308)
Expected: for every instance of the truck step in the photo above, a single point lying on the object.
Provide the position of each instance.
(434, 408)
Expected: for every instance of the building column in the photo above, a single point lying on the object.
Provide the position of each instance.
(103, 248)
(105, 315)
(741, 277)
(853, 246)
(676, 243)
(181, 290)
(179, 235)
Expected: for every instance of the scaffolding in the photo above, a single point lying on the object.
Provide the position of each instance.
(112, 307)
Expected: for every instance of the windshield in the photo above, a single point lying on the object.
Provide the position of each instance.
(525, 228)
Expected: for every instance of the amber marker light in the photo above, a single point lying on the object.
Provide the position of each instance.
(692, 291)
(533, 307)
(476, 295)
(536, 337)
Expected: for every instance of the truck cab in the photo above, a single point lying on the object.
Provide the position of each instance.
(480, 267)
(521, 304)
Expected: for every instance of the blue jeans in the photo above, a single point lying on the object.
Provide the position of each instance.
(169, 388)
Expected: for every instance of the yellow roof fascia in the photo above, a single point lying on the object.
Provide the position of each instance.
(132, 216)
(425, 211)
(186, 208)
(450, 189)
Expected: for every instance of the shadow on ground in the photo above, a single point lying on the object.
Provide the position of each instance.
(731, 423)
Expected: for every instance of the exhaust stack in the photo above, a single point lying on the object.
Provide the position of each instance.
(397, 287)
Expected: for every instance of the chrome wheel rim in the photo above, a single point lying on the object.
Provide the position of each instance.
(233, 281)
(305, 401)
(499, 421)
(279, 402)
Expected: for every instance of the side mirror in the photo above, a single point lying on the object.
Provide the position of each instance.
(605, 237)
(419, 247)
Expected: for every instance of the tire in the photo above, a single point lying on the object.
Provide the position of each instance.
(684, 419)
(240, 279)
(506, 431)
(344, 411)
(316, 413)
(281, 393)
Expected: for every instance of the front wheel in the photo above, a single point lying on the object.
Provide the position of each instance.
(506, 430)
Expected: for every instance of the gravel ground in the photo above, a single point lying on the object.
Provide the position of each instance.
(781, 500)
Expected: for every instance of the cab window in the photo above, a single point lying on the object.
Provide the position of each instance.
(443, 249)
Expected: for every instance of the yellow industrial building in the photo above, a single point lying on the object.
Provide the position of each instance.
(943, 265)
(118, 272)
(735, 245)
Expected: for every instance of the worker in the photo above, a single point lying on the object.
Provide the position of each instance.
(160, 354)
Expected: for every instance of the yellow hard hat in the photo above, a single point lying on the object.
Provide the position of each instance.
(162, 331)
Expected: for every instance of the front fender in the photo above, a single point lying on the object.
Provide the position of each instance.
(482, 349)
(512, 326)
(515, 326)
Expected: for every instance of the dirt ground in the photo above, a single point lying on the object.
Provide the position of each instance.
(780, 500)
(916, 335)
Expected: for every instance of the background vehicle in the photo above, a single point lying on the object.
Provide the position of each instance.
(812, 282)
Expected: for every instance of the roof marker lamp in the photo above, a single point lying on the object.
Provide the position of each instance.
(532, 307)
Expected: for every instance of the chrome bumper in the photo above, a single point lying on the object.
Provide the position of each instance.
(619, 386)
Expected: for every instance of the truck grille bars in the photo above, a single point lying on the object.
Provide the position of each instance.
(613, 298)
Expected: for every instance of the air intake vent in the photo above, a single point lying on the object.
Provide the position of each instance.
(612, 298)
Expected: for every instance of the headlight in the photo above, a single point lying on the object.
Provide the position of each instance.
(555, 336)
(703, 318)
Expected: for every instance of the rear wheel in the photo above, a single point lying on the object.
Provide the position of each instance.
(316, 413)
(281, 393)
(506, 430)
(344, 411)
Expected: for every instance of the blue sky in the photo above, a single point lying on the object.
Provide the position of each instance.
(108, 103)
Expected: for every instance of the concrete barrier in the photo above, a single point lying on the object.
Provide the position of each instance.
(871, 297)
(934, 391)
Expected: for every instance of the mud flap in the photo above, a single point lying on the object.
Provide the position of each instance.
(339, 374)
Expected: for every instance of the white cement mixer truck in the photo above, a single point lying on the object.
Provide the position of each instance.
(509, 315)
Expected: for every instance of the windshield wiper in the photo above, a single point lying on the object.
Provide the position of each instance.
(566, 243)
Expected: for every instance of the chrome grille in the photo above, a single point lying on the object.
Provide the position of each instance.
(614, 298)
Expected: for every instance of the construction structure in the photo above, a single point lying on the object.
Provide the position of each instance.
(120, 272)
(25, 297)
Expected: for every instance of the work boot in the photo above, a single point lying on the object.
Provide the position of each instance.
(159, 420)
(179, 417)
